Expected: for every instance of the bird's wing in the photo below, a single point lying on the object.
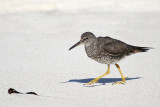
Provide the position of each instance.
(114, 47)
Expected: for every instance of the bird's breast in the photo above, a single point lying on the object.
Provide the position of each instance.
(91, 51)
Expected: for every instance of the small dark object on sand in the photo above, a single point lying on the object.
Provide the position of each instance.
(11, 91)
(32, 93)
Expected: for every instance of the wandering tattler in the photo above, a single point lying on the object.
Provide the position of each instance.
(107, 50)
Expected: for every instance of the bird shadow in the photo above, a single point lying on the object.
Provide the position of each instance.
(102, 81)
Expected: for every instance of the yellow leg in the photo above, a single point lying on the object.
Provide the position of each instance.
(123, 78)
(96, 79)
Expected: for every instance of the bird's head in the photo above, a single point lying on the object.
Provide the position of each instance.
(86, 38)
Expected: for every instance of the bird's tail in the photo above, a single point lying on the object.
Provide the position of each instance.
(141, 49)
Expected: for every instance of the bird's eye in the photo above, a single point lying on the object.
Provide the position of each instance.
(85, 38)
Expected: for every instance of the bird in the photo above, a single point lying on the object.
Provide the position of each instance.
(107, 50)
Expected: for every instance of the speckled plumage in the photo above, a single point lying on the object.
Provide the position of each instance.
(107, 50)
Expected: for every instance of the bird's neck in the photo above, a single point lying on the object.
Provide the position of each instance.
(92, 44)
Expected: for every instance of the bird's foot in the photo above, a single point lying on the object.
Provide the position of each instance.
(92, 82)
(121, 82)
(125, 77)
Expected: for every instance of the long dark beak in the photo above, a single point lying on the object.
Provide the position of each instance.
(78, 43)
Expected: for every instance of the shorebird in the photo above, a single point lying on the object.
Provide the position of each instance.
(107, 50)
